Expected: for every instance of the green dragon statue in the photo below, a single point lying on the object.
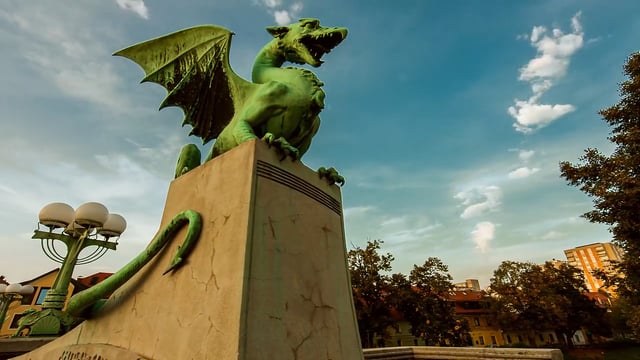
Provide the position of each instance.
(281, 105)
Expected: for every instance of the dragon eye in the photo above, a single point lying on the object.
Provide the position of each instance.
(311, 24)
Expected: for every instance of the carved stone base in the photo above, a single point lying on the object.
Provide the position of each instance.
(267, 280)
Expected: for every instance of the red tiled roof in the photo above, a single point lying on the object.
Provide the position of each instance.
(94, 278)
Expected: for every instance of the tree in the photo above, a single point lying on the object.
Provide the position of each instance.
(568, 307)
(614, 181)
(434, 319)
(370, 286)
(530, 297)
(515, 298)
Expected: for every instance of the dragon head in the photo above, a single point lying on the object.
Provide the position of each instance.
(306, 42)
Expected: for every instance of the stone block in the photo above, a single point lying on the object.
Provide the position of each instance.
(267, 279)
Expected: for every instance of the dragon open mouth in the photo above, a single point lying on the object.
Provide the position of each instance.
(318, 45)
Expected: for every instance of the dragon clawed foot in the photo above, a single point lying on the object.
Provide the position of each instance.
(282, 145)
(331, 175)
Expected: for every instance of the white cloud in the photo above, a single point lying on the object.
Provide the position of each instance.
(538, 87)
(272, 3)
(282, 17)
(526, 155)
(531, 116)
(296, 7)
(68, 55)
(405, 229)
(136, 6)
(575, 23)
(479, 200)
(114, 180)
(550, 64)
(482, 235)
(552, 235)
(536, 32)
(554, 51)
(544, 66)
(357, 211)
(282, 14)
(523, 172)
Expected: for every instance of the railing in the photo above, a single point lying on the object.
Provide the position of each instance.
(458, 353)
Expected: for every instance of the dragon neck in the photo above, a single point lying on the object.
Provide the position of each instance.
(269, 58)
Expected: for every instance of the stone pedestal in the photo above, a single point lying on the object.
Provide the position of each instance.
(268, 278)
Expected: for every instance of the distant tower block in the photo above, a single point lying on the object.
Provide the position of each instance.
(469, 284)
(267, 279)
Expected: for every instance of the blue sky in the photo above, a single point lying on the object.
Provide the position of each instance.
(448, 119)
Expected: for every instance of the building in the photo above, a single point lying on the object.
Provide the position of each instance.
(93, 279)
(590, 257)
(41, 285)
(470, 305)
(469, 284)
(475, 308)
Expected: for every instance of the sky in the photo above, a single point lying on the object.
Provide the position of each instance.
(447, 118)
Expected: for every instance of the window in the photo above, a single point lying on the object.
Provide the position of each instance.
(41, 295)
(476, 321)
(28, 299)
(551, 339)
(14, 321)
(493, 340)
(541, 337)
(519, 338)
(508, 339)
(481, 339)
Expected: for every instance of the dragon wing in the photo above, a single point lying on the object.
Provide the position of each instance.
(193, 65)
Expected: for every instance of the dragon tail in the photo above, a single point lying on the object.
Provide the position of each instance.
(87, 302)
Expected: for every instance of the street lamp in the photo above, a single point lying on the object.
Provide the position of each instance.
(90, 225)
(9, 294)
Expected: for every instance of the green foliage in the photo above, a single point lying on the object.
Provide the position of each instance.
(434, 319)
(613, 181)
(420, 298)
(515, 300)
(624, 318)
(370, 286)
(529, 297)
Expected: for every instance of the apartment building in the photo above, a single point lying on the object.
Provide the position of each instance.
(595, 256)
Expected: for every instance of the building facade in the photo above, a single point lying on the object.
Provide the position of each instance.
(41, 285)
(591, 257)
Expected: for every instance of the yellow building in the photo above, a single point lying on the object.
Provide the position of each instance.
(472, 306)
(475, 307)
(41, 285)
(590, 257)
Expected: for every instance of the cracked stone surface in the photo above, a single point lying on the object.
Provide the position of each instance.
(266, 280)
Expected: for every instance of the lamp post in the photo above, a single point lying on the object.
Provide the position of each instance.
(89, 226)
(9, 294)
